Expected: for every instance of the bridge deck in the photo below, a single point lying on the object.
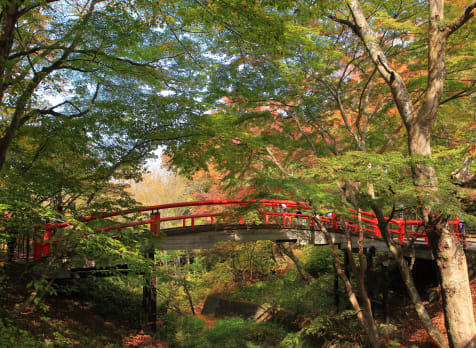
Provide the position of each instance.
(205, 236)
(289, 224)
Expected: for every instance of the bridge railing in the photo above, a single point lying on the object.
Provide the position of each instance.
(401, 228)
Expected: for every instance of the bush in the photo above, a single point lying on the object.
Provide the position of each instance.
(12, 336)
(342, 327)
(183, 331)
(319, 262)
(237, 332)
(113, 299)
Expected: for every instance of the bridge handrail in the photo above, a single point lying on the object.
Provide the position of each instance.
(370, 223)
(265, 202)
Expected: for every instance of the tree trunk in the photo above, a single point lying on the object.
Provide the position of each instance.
(363, 314)
(289, 252)
(447, 250)
(366, 303)
(451, 261)
(189, 296)
(149, 295)
(456, 293)
(396, 250)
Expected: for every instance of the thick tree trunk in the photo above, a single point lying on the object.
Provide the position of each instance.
(8, 20)
(448, 253)
(452, 267)
(456, 293)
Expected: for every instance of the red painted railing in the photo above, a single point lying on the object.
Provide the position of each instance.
(400, 227)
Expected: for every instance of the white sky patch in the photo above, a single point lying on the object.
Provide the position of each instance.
(54, 99)
(157, 164)
(166, 93)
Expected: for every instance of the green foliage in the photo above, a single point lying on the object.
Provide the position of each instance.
(342, 327)
(290, 292)
(237, 332)
(319, 261)
(183, 331)
(11, 336)
(188, 331)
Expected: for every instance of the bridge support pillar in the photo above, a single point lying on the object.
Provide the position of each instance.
(149, 291)
(336, 288)
(386, 281)
(149, 294)
(346, 264)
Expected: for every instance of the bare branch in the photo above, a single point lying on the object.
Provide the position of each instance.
(281, 168)
(51, 111)
(467, 14)
(463, 93)
(309, 141)
(27, 9)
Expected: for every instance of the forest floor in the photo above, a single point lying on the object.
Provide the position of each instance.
(410, 330)
(73, 321)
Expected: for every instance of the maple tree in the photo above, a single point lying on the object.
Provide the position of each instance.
(287, 114)
(87, 92)
(88, 89)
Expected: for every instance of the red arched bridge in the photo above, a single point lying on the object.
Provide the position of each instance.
(277, 220)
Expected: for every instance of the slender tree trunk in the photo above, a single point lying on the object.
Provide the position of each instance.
(364, 315)
(453, 268)
(289, 252)
(396, 250)
(366, 303)
(149, 295)
(189, 296)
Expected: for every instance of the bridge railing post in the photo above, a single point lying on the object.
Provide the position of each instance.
(456, 227)
(155, 224)
(334, 221)
(377, 232)
(37, 245)
(401, 230)
(45, 243)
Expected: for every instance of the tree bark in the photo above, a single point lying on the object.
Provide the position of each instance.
(364, 315)
(396, 250)
(189, 296)
(289, 253)
(149, 295)
(456, 293)
(451, 261)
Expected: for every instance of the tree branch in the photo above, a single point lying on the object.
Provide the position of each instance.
(281, 168)
(467, 14)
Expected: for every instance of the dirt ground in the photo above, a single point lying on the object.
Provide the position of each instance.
(410, 330)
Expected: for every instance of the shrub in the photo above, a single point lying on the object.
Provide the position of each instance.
(237, 332)
(342, 327)
(12, 336)
(319, 262)
(184, 331)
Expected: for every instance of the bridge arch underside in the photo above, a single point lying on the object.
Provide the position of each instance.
(205, 237)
